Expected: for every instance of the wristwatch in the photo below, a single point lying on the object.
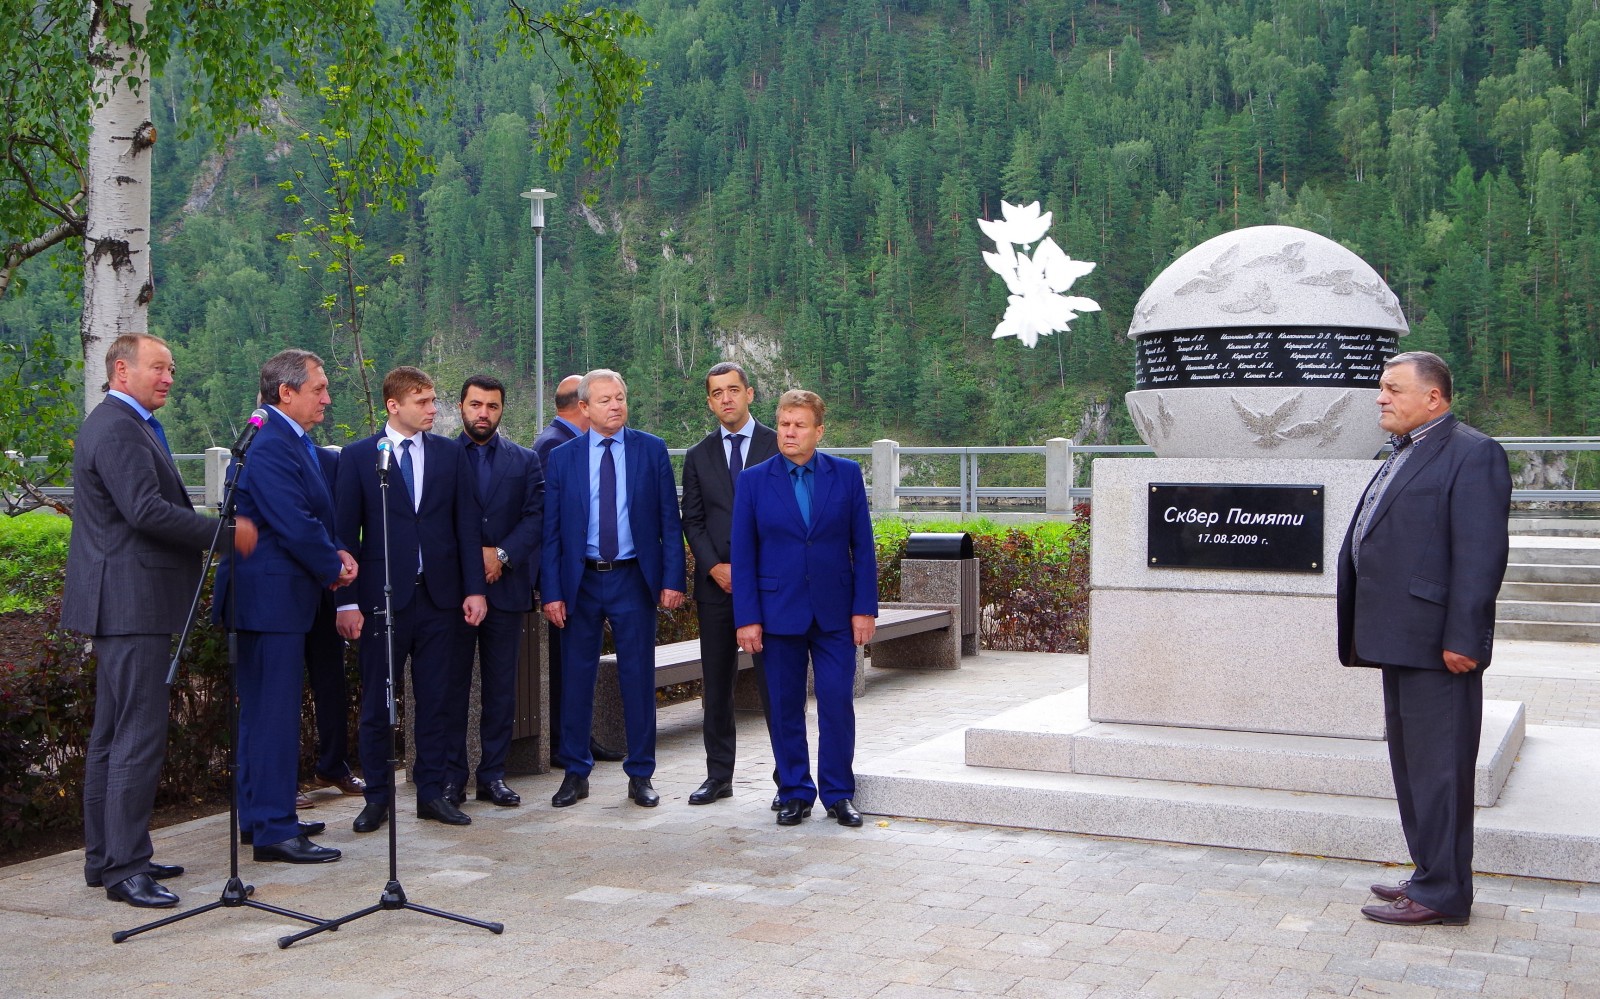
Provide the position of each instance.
(500, 553)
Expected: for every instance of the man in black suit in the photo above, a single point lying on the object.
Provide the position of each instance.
(132, 567)
(1418, 575)
(510, 484)
(709, 472)
(569, 421)
(436, 571)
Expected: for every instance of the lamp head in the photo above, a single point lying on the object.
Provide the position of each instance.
(538, 196)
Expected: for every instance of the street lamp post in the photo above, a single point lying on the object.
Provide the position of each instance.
(538, 196)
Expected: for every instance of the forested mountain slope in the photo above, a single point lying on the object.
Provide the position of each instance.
(799, 186)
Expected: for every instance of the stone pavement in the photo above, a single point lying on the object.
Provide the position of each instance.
(608, 899)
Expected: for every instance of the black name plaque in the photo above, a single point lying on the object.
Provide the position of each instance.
(1268, 356)
(1224, 526)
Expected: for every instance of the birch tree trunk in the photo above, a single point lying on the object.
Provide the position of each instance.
(117, 284)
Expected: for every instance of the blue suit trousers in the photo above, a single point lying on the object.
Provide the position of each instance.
(623, 599)
(271, 672)
(833, 658)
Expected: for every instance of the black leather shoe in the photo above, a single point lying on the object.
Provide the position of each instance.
(605, 755)
(160, 872)
(454, 795)
(642, 793)
(572, 789)
(777, 801)
(497, 792)
(297, 851)
(247, 837)
(1390, 892)
(373, 815)
(793, 811)
(443, 810)
(710, 791)
(845, 811)
(142, 892)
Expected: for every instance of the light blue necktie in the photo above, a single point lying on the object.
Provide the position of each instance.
(802, 492)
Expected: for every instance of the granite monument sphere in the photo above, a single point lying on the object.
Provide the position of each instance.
(1264, 342)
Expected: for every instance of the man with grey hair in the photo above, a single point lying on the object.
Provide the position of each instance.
(613, 550)
(272, 599)
(1420, 568)
(132, 566)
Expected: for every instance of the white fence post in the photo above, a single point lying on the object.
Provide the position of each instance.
(885, 476)
(217, 461)
(1058, 476)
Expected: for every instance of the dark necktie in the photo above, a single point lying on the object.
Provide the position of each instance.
(608, 503)
(735, 459)
(408, 472)
(1375, 493)
(161, 434)
(482, 459)
(802, 492)
(316, 461)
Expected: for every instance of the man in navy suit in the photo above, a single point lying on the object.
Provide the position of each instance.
(1419, 571)
(710, 470)
(436, 572)
(805, 584)
(272, 599)
(510, 484)
(613, 549)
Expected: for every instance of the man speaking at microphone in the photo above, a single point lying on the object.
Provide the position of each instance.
(273, 601)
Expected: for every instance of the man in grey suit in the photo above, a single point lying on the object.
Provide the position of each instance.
(709, 471)
(1418, 574)
(132, 567)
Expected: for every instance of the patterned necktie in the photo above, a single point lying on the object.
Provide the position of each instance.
(802, 492)
(161, 434)
(608, 503)
(1375, 493)
(735, 459)
(408, 472)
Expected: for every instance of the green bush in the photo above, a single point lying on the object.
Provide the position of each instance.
(33, 558)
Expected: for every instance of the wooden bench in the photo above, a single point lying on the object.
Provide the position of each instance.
(907, 636)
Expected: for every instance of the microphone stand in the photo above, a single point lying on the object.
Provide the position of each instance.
(235, 892)
(394, 894)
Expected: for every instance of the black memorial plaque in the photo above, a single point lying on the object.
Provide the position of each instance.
(1268, 356)
(1223, 526)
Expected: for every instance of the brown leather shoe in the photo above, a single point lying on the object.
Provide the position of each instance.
(1390, 892)
(348, 784)
(303, 800)
(1404, 912)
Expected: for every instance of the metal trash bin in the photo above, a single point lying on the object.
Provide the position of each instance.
(939, 546)
(942, 569)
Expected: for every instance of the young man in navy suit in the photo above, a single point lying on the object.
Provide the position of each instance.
(272, 599)
(710, 470)
(510, 483)
(805, 585)
(436, 571)
(613, 550)
(1419, 571)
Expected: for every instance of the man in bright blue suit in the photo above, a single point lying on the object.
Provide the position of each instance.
(613, 550)
(510, 483)
(272, 599)
(436, 571)
(805, 585)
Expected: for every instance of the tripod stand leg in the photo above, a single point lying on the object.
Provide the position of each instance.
(234, 894)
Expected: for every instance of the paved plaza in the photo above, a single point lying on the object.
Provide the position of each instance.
(609, 899)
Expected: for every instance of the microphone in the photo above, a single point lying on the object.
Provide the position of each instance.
(385, 455)
(248, 434)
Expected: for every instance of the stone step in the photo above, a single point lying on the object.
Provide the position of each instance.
(1548, 631)
(1539, 611)
(1557, 527)
(1525, 572)
(1544, 592)
(1555, 551)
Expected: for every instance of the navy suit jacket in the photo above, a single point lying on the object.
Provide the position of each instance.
(786, 576)
(652, 515)
(554, 434)
(708, 503)
(444, 526)
(287, 494)
(1433, 557)
(512, 519)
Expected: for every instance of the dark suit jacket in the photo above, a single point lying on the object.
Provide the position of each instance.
(1433, 557)
(135, 555)
(555, 433)
(296, 559)
(786, 576)
(512, 519)
(652, 515)
(444, 526)
(708, 504)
